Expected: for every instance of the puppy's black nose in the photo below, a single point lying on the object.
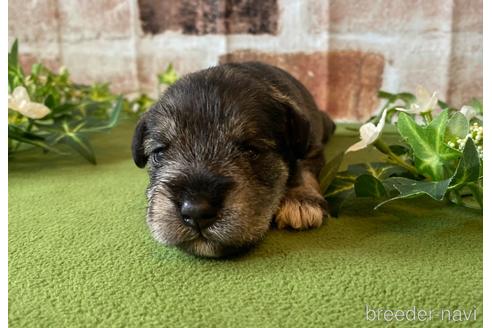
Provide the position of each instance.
(198, 213)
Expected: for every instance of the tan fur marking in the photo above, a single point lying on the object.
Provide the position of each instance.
(297, 213)
(310, 182)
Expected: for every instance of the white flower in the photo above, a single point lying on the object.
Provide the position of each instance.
(62, 70)
(476, 135)
(20, 102)
(368, 134)
(424, 102)
(470, 113)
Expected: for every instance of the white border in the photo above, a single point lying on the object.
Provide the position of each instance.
(4, 162)
(487, 100)
(487, 226)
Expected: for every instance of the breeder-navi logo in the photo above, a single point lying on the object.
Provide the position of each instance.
(415, 314)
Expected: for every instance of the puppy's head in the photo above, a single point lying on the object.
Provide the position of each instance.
(218, 149)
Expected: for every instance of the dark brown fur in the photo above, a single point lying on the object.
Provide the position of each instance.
(248, 136)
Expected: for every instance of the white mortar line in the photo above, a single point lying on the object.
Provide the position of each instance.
(135, 30)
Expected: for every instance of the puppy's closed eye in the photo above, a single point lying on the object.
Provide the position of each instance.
(249, 148)
(157, 154)
(255, 148)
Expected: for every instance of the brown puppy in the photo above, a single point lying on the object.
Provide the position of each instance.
(228, 149)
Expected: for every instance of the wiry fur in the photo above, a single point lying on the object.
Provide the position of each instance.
(249, 136)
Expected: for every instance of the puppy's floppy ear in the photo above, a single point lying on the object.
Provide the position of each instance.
(138, 151)
(297, 129)
(298, 132)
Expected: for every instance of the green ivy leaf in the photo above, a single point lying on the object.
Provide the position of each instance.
(368, 186)
(15, 131)
(406, 97)
(457, 127)
(329, 171)
(63, 109)
(30, 138)
(169, 76)
(15, 73)
(336, 203)
(115, 113)
(468, 169)
(342, 187)
(427, 143)
(385, 95)
(339, 191)
(345, 180)
(13, 56)
(444, 105)
(76, 109)
(399, 149)
(377, 170)
(477, 105)
(477, 191)
(408, 188)
(36, 68)
(81, 144)
(49, 101)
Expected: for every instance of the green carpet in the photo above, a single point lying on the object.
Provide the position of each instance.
(80, 255)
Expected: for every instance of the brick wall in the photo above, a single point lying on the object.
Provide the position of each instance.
(342, 50)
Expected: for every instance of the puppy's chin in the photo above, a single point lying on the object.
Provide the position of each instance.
(212, 249)
(218, 242)
(235, 232)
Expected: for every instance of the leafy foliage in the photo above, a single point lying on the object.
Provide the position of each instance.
(469, 167)
(75, 111)
(426, 162)
(168, 77)
(329, 172)
(432, 155)
(367, 185)
(408, 188)
(457, 126)
(355, 181)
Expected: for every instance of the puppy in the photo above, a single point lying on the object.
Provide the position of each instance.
(229, 148)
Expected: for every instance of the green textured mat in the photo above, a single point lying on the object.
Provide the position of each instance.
(80, 255)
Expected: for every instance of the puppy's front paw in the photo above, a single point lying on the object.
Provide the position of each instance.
(301, 212)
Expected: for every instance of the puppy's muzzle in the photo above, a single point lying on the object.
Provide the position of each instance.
(198, 213)
(199, 197)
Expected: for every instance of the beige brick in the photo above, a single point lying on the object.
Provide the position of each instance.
(28, 59)
(468, 16)
(466, 69)
(421, 61)
(33, 21)
(94, 19)
(186, 56)
(37, 33)
(372, 43)
(381, 16)
(319, 16)
(102, 61)
(343, 83)
(409, 60)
